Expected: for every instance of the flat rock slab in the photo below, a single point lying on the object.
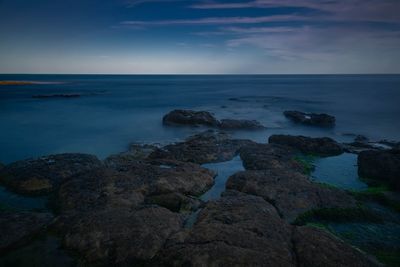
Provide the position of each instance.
(290, 192)
(44, 174)
(269, 156)
(206, 147)
(324, 146)
(158, 184)
(18, 227)
(382, 166)
(313, 119)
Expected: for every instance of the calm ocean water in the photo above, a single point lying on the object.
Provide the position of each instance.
(114, 111)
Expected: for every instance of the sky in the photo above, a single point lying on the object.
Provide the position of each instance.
(200, 37)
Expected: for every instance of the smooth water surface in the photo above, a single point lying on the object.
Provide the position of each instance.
(340, 171)
(114, 110)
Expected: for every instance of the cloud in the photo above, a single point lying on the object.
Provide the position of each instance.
(216, 20)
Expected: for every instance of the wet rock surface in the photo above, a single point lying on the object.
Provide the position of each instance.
(44, 174)
(323, 120)
(204, 118)
(292, 193)
(16, 228)
(324, 146)
(206, 147)
(381, 166)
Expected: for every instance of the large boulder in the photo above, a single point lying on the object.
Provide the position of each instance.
(314, 119)
(206, 147)
(190, 117)
(230, 124)
(316, 247)
(269, 156)
(381, 166)
(324, 146)
(16, 228)
(292, 193)
(44, 174)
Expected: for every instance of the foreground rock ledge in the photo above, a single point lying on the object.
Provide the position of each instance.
(245, 230)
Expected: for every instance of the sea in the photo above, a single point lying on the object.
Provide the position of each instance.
(116, 110)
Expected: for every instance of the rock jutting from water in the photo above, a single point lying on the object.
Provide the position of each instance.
(313, 119)
(205, 118)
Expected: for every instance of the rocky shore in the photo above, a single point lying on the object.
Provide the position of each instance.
(131, 209)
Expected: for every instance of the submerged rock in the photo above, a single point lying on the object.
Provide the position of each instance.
(230, 124)
(190, 117)
(323, 120)
(57, 96)
(16, 228)
(44, 174)
(206, 147)
(381, 166)
(324, 146)
(290, 192)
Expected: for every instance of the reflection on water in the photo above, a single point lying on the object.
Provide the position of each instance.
(340, 171)
(223, 170)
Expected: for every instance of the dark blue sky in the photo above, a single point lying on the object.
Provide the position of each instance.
(183, 36)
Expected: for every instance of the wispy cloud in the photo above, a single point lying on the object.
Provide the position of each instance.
(369, 10)
(216, 20)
